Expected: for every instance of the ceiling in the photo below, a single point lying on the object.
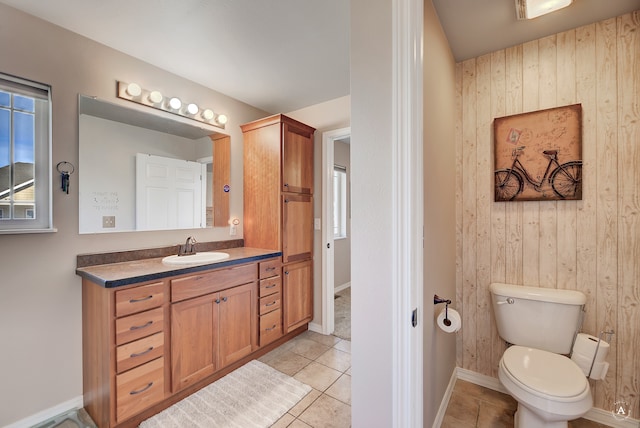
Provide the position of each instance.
(282, 55)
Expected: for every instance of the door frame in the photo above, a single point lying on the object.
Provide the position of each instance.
(328, 253)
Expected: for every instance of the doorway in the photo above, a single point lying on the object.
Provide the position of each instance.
(329, 140)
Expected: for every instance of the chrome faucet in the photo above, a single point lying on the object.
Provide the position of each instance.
(189, 247)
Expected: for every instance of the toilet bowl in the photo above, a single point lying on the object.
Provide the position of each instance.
(550, 388)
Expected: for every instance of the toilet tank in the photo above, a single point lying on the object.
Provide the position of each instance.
(541, 318)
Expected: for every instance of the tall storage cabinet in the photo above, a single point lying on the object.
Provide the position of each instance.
(278, 206)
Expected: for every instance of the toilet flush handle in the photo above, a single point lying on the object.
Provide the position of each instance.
(509, 301)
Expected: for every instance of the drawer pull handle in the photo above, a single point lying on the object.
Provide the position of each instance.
(141, 300)
(269, 269)
(272, 328)
(140, 354)
(271, 304)
(141, 390)
(270, 286)
(138, 327)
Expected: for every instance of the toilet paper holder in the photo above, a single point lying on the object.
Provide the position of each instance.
(609, 334)
(447, 302)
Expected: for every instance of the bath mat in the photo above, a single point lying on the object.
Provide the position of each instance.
(255, 395)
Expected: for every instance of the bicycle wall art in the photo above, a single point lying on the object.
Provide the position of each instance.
(538, 155)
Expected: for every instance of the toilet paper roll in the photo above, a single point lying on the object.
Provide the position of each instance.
(454, 317)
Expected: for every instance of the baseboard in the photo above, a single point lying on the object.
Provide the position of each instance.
(596, 415)
(315, 327)
(342, 287)
(74, 403)
(445, 401)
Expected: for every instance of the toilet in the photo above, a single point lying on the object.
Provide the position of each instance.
(540, 325)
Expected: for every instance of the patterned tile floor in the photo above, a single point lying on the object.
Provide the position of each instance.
(324, 363)
(474, 406)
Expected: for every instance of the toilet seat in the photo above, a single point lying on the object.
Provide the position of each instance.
(544, 374)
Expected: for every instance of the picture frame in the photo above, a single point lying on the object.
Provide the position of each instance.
(538, 155)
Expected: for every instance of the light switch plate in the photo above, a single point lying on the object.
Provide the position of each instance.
(316, 224)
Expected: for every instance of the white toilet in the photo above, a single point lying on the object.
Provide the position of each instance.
(541, 324)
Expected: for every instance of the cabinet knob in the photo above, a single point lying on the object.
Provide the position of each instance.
(286, 272)
(224, 299)
(217, 300)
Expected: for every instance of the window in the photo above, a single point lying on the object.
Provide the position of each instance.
(339, 202)
(25, 156)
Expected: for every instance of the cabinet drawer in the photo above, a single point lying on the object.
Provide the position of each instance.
(270, 327)
(139, 325)
(270, 268)
(139, 352)
(209, 282)
(270, 286)
(270, 303)
(139, 388)
(139, 299)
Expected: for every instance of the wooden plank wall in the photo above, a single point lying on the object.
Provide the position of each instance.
(592, 245)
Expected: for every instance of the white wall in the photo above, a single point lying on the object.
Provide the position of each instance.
(439, 208)
(40, 298)
(372, 223)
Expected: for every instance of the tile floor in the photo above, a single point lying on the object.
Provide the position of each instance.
(324, 363)
(473, 406)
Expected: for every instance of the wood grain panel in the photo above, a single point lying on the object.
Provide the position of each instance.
(497, 233)
(606, 211)
(469, 225)
(567, 226)
(459, 215)
(592, 245)
(628, 78)
(221, 178)
(530, 210)
(548, 237)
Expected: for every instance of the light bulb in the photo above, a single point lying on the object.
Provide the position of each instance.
(175, 103)
(134, 90)
(155, 97)
(207, 114)
(222, 119)
(192, 108)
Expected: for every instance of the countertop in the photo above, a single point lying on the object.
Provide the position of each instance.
(131, 272)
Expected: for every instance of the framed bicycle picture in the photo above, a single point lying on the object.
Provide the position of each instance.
(538, 155)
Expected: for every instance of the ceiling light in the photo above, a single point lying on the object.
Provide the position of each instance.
(134, 89)
(155, 97)
(529, 9)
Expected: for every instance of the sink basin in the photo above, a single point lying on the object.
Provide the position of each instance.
(198, 258)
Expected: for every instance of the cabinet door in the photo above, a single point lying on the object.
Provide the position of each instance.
(298, 294)
(194, 338)
(297, 159)
(238, 323)
(297, 227)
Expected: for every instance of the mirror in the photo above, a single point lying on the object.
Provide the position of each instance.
(142, 171)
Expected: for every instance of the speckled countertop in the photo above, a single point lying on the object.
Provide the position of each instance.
(111, 275)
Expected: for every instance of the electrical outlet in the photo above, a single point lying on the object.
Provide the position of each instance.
(233, 230)
(108, 221)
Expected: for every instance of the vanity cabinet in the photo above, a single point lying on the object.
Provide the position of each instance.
(278, 208)
(124, 336)
(270, 302)
(210, 332)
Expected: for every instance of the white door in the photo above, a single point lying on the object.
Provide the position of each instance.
(169, 193)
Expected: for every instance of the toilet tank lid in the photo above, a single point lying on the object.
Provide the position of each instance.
(568, 297)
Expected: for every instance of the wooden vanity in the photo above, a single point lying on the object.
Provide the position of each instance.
(154, 334)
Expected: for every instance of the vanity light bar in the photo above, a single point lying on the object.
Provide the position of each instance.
(133, 92)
